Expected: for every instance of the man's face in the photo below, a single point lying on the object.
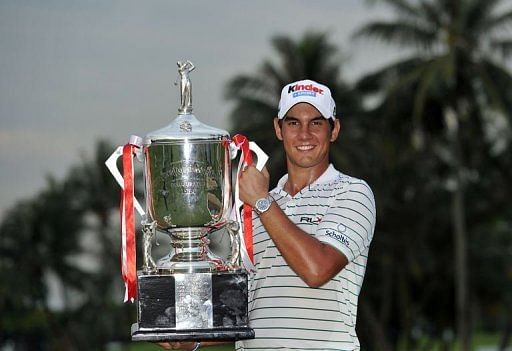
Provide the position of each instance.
(306, 136)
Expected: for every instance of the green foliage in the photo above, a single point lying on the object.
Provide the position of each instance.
(444, 101)
(44, 241)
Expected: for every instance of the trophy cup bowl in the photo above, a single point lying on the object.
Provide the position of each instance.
(188, 182)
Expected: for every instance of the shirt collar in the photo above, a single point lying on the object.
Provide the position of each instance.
(329, 175)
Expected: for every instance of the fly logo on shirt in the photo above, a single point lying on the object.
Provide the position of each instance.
(338, 236)
(310, 220)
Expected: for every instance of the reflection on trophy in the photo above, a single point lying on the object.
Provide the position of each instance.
(191, 293)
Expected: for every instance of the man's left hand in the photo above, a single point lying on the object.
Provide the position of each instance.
(178, 345)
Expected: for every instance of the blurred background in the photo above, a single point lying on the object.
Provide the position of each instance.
(424, 92)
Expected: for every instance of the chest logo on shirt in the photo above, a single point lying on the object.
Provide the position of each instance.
(310, 220)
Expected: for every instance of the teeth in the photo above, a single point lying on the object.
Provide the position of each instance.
(305, 147)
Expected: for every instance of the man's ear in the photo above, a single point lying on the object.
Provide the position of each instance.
(277, 129)
(335, 130)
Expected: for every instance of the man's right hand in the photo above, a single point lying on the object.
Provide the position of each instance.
(253, 184)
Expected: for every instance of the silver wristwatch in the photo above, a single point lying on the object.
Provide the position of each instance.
(263, 204)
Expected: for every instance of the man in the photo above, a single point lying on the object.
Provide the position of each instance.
(311, 234)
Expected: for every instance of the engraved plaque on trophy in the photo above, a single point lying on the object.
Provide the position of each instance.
(190, 294)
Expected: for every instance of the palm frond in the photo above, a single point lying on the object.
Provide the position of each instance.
(481, 24)
(250, 111)
(315, 50)
(431, 13)
(400, 33)
(504, 47)
(386, 76)
(477, 13)
(244, 85)
(497, 86)
(314, 42)
(499, 22)
(275, 77)
(404, 9)
(431, 74)
(288, 53)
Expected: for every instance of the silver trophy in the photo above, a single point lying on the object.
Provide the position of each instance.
(190, 293)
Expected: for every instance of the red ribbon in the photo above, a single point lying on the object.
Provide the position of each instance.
(128, 256)
(242, 142)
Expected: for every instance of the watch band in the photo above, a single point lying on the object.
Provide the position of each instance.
(266, 202)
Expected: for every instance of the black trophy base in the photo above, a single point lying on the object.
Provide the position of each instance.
(231, 334)
(192, 306)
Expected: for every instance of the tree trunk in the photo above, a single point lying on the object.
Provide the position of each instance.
(461, 271)
(507, 333)
(460, 246)
(379, 335)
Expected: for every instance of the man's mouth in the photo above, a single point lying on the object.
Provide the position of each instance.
(305, 147)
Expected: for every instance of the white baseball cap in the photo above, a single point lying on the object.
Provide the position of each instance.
(308, 91)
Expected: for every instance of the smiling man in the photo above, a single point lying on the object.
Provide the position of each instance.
(311, 234)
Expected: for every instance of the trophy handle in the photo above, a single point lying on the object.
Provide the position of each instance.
(232, 227)
(111, 164)
(240, 142)
(261, 155)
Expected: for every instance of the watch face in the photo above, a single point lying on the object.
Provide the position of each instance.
(262, 205)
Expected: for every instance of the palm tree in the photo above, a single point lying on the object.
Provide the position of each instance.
(46, 235)
(39, 238)
(256, 96)
(95, 189)
(454, 69)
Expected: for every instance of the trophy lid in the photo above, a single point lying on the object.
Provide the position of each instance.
(186, 126)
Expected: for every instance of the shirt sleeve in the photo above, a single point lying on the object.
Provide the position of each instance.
(349, 223)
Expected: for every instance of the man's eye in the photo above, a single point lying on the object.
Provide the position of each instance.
(293, 123)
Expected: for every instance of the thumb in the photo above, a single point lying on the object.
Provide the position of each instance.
(265, 172)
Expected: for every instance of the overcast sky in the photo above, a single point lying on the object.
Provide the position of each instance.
(74, 72)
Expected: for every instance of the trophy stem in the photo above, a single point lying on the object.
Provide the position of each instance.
(191, 253)
(189, 250)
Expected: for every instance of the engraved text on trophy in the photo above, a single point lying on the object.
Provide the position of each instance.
(187, 188)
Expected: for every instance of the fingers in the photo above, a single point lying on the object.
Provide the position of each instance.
(177, 345)
(253, 185)
(252, 169)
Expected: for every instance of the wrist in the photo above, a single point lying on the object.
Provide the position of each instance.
(263, 204)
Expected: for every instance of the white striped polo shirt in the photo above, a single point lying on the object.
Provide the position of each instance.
(285, 313)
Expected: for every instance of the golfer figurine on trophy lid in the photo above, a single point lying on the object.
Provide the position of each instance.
(191, 293)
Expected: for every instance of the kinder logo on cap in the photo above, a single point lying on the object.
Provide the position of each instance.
(310, 92)
(304, 89)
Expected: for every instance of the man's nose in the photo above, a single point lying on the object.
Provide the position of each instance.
(304, 132)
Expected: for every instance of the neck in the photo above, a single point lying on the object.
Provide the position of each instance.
(299, 178)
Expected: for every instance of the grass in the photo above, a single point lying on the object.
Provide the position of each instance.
(479, 341)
